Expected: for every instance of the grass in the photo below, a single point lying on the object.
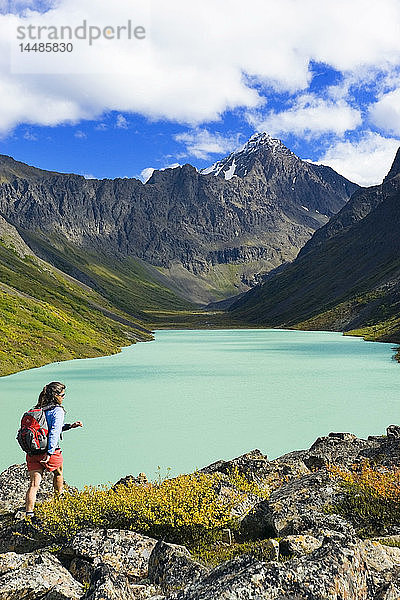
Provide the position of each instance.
(45, 317)
(122, 280)
(214, 554)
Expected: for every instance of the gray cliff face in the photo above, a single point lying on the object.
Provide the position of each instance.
(354, 256)
(262, 215)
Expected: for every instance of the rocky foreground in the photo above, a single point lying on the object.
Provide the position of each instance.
(312, 554)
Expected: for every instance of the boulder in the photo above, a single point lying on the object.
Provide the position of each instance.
(171, 567)
(336, 570)
(297, 545)
(22, 535)
(297, 507)
(107, 584)
(126, 552)
(37, 577)
(341, 449)
(256, 467)
(14, 483)
(250, 464)
(129, 480)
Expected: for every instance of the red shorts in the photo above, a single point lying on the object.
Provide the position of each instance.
(34, 464)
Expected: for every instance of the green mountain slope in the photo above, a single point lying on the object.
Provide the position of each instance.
(47, 316)
(346, 278)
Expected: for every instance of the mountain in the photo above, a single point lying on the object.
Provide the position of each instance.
(46, 316)
(199, 236)
(347, 277)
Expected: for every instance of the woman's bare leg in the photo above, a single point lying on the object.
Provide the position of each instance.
(58, 481)
(35, 477)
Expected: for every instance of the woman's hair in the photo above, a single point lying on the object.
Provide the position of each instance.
(48, 394)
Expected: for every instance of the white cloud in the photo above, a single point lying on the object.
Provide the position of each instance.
(309, 116)
(31, 137)
(365, 162)
(195, 64)
(201, 143)
(121, 122)
(385, 113)
(81, 135)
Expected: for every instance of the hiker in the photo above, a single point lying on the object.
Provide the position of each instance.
(50, 400)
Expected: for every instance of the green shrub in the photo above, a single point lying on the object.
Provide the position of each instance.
(184, 510)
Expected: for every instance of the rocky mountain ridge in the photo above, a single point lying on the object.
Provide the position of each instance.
(211, 235)
(347, 277)
(303, 552)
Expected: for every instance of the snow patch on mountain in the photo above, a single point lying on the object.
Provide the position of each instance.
(238, 162)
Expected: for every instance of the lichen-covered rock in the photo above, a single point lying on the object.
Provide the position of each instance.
(37, 577)
(21, 535)
(128, 480)
(342, 449)
(297, 507)
(256, 467)
(296, 545)
(337, 570)
(14, 483)
(171, 567)
(107, 584)
(309, 493)
(126, 552)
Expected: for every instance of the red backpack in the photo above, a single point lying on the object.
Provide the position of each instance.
(32, 435)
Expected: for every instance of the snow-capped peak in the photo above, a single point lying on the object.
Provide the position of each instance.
(238, 162)
(257, 141)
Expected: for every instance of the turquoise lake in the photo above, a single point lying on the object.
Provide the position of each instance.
(192, 397)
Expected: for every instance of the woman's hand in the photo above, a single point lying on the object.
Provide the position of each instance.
(76, 424)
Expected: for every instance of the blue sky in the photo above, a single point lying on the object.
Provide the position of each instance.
(322, 77)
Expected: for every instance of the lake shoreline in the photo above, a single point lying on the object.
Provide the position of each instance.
(204, 327)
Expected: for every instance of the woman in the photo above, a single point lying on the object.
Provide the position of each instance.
(50, 400)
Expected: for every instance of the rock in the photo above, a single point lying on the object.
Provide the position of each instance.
(14, 482)
(296, 508)
(106, 584)
(309, 493)
(36, 576)
(126, 552)
(171, 567)
(296, 545)
(335, 571)
(251, 464)
(320, 524)
(128, 480)
(393, 431)
(256, 467)
(390, 591)
(22, 536)
(341, 449)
